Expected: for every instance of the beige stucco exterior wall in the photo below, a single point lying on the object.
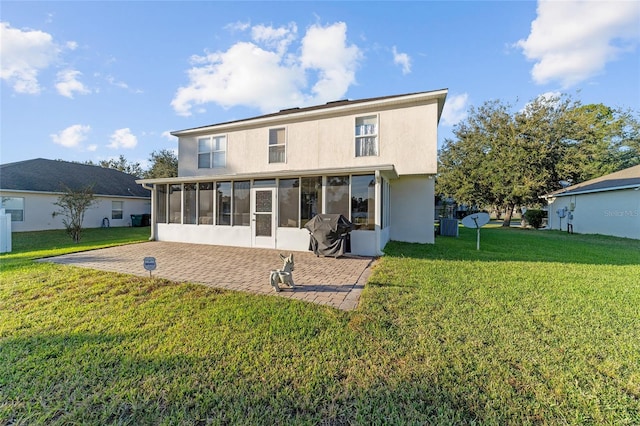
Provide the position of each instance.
(407, 139)
(38, 209)
(411, 209)
(615, 213)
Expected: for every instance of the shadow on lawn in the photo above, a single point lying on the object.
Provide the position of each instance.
(522, 245)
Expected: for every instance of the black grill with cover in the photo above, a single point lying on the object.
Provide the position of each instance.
(329, 234)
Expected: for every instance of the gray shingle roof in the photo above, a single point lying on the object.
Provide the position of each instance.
(43, 175)
(629, 177)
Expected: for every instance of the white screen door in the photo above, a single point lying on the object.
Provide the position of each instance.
(264, 219)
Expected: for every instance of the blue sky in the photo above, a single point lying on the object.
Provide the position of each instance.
(95, 80)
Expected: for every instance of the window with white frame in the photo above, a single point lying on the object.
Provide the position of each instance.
(277, 146)
(212, 152)
(116, 209)
(366, 135)
(15, 207)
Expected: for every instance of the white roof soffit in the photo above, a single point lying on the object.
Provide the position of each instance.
(411, 99)
(386, 170)
(592, 191)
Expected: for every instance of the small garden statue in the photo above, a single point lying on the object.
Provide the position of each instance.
(284, 275)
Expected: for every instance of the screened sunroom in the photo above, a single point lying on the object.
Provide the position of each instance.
(270, 212)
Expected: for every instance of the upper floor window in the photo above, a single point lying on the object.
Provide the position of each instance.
(366, 136)
(212, 152)
(277, 146)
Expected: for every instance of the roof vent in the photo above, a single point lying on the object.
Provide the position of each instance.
(289, 109)
(338, 101)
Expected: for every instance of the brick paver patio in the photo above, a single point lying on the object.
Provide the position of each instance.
(327, 281)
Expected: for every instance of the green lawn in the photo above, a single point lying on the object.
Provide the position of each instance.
(538, 327)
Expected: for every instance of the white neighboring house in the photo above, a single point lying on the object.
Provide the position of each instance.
(608, 205)
(29, 189)
(256, 182)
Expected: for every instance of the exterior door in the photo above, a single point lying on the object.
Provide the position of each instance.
(263, 223)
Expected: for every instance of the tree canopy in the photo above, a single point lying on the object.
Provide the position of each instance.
(164, 163)
(123, 165)
(505, 159)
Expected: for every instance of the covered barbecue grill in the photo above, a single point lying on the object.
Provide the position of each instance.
(329, 234)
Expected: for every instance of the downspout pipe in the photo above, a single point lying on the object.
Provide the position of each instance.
(152, 237)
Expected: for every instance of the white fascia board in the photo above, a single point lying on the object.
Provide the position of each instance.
(21, 191)
(388, 170)
(407, 100)
(592, 191)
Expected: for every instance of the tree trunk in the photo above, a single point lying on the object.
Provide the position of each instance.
(507, 216)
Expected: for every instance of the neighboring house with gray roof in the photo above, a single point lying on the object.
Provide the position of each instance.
(29, 189)
(608, 205)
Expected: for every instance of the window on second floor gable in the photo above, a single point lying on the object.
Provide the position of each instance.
(366, 135)
(212, 152)
(277, 146)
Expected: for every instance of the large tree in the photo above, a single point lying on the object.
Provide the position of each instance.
(164, 163)
(505, 159)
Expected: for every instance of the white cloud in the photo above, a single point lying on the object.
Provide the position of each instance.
(403, 60)
(455, 109)
(571, 41)
(325, 49)
(278, 38)
(168, 136)
(24, 54)
(268, 73)
(68, 83)
(72, 136)
(123, 138)
(238, 26)
(112, 81)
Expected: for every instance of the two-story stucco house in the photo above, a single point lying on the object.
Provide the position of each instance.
(256, 182)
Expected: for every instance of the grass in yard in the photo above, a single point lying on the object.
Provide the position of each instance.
(536, 328)
(27, 246)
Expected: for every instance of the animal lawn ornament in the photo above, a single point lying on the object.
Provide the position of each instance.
(284, 275)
